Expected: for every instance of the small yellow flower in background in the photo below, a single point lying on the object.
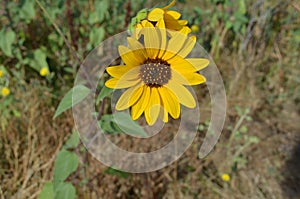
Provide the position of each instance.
(225, 177)
(5, 91)
(1, 73)
(195, 28)
(155, 73)
(44, 71)
(171, 18)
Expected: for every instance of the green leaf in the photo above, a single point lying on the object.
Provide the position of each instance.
(254, 139)
(37, 60)
(66, 163)
(132, 24)
(142, 14)
(242, 7)
(107, 124)
(243, 129)
(7, 39)
(40, 59)
(102, 8)
(103, 93)
(65, 191)
(228, 24)
(128, 125)
(27, 10)
(69, 70)
(116, 172)
(47, 191)
(124, 123)
(93, 18)
(96, 36)
(73, 141)
(73, 97)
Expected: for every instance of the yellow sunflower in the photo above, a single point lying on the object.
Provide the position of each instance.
(170, 17)
(155, 71)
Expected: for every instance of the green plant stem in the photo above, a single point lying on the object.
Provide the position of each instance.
(236, 127)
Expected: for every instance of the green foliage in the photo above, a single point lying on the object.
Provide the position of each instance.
(73, 141)
(141, 15)
(129, 126)
(37, 60)
(108, 125)
(239, 134)
(124, 124)
(223, 17)
(27, 10)
(66, 163)
(112, 171)
(96, 36)
(47, 191)
(29, 41)
(73, 97)
(7, 38)
(66, 191)
(104, 93)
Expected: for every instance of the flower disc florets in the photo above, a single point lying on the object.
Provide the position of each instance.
(155, 72)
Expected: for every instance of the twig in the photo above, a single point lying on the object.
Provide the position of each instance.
(128, 10)
(73, 33)
(100, 113)
(74, 54)
(8, 14)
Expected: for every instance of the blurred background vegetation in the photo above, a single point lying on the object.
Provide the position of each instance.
(255, 44)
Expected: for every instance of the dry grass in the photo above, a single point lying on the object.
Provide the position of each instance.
(30, 143)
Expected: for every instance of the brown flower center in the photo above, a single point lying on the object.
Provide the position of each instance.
(155, 72)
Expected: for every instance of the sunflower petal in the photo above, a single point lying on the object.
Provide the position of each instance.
(198, 63)
(163, 37)
(185, 30)
(152, 40)
(170, 102)
(156, 14)
(129, 97)
(120, 83)
(174, 14)
(188, 46)
(183, 22)
(137, 31)
(129, 57)
(131, 74)
(188, 65)
(163, 113)
(193, 78)
(128, 79)
(137, 48)
(153, 108)
(134, 44)
(139, 107)
(179, 78)
(175, 44)
(136, 95)
(139, 25)
(118, 71)
(172, 23)
(182, 94)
